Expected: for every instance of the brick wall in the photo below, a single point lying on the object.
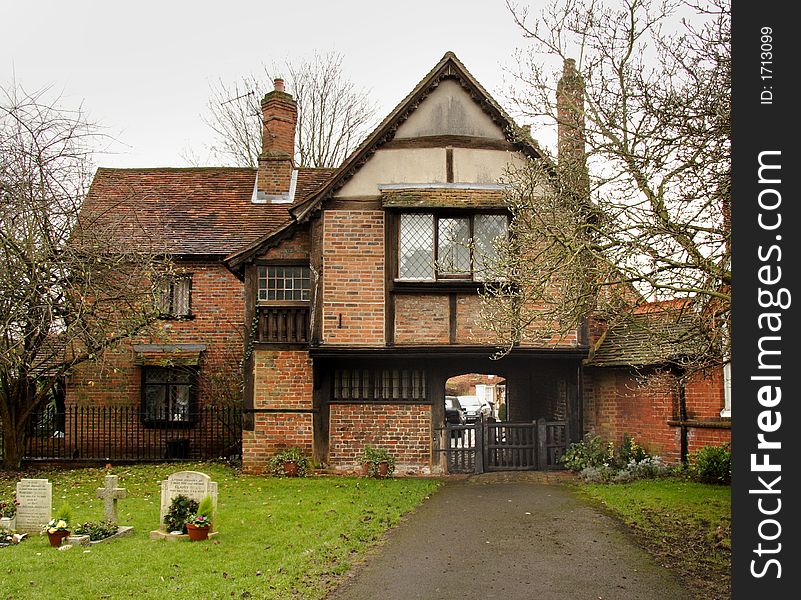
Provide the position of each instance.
(403, 430)
(422, 319)
(353, 277)
(618, 402)
(217, 304)
(282, 380)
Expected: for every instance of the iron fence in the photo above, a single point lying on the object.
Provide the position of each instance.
(122, 433)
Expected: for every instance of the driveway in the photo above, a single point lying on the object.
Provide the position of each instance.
(513, 537)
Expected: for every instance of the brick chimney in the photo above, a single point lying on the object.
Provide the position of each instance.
(276, 176)
(570, 114)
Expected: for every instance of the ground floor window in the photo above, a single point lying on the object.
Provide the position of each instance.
(379, 384)
(168, 395)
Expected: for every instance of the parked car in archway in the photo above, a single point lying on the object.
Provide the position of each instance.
(454, 412)
(474, 408)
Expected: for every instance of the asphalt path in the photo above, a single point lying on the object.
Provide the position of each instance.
(508, 537)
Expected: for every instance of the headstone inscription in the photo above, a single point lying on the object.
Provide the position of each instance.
(35, 498)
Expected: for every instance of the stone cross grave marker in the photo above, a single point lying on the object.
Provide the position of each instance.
(192, 484)
(110, 494)
(35, 497)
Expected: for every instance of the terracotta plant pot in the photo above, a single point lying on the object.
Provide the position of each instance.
(383, 469)
(57, 537)
(197, 534)
(291, 468)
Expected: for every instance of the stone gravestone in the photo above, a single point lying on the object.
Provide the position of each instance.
(192, 484)
(35, 497)
(110, 494)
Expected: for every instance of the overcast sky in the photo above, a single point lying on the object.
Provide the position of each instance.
(142, 69)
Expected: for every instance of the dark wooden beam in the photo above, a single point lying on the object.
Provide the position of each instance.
(452, 305)
(456, 141)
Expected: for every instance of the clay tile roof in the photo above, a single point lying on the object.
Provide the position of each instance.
(190, 211)
(647, 338)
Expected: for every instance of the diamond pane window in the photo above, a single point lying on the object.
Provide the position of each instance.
(487, 229)
(281, 284)
(453, 246)
(416, 252)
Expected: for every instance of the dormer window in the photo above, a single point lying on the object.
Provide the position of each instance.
(433, 247)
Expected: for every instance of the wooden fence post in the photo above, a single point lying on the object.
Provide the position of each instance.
(542, 451)
(479, 431)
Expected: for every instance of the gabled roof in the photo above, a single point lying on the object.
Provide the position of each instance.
(189, 211)
(449, 67)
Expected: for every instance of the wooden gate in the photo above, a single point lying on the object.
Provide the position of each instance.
(501, 446)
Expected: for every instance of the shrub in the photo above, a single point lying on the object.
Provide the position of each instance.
(276, 464)
(590, 452)
(374, 456)
(8, 508)
(180, 510)
(711, 464)
(97, 530)
(600, 474)
(629, 451)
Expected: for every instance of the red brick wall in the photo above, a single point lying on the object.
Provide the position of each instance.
(282, 380)
(422, 319)
(618, 402)
(217, 308)
(353, 277)
(403, 430)
(273, 432)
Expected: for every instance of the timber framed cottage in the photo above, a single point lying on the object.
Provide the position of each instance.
(350, 297)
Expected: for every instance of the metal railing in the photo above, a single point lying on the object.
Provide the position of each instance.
(120, 433)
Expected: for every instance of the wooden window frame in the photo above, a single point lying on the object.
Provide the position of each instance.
(170, 313)
(442, 278)
(282, 264)
(169, 423)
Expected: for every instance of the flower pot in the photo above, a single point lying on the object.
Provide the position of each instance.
(57, 537)
(290, 468)
(8, 523)
(197, 534)
(383, 469)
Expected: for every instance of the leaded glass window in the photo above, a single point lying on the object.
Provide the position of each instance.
(416, 252)
(282, 283)
(432, 247)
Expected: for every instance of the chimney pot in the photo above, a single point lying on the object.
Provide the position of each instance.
(278, 83)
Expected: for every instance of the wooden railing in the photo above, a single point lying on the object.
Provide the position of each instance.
(283, 325)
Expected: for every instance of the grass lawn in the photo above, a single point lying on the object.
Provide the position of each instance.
(685, 525)
(279, 537)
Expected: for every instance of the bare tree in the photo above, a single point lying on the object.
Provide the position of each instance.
(70, 286)
(651, 219)
(334, 115)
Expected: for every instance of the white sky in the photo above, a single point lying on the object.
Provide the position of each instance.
(142, 69)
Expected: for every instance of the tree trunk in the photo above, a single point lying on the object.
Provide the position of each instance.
(13, 438)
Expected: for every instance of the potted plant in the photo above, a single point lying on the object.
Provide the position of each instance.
(58, 527)
(377, 462)
(8, 513)
(181, 508)
(290, 462)
(199, 524)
